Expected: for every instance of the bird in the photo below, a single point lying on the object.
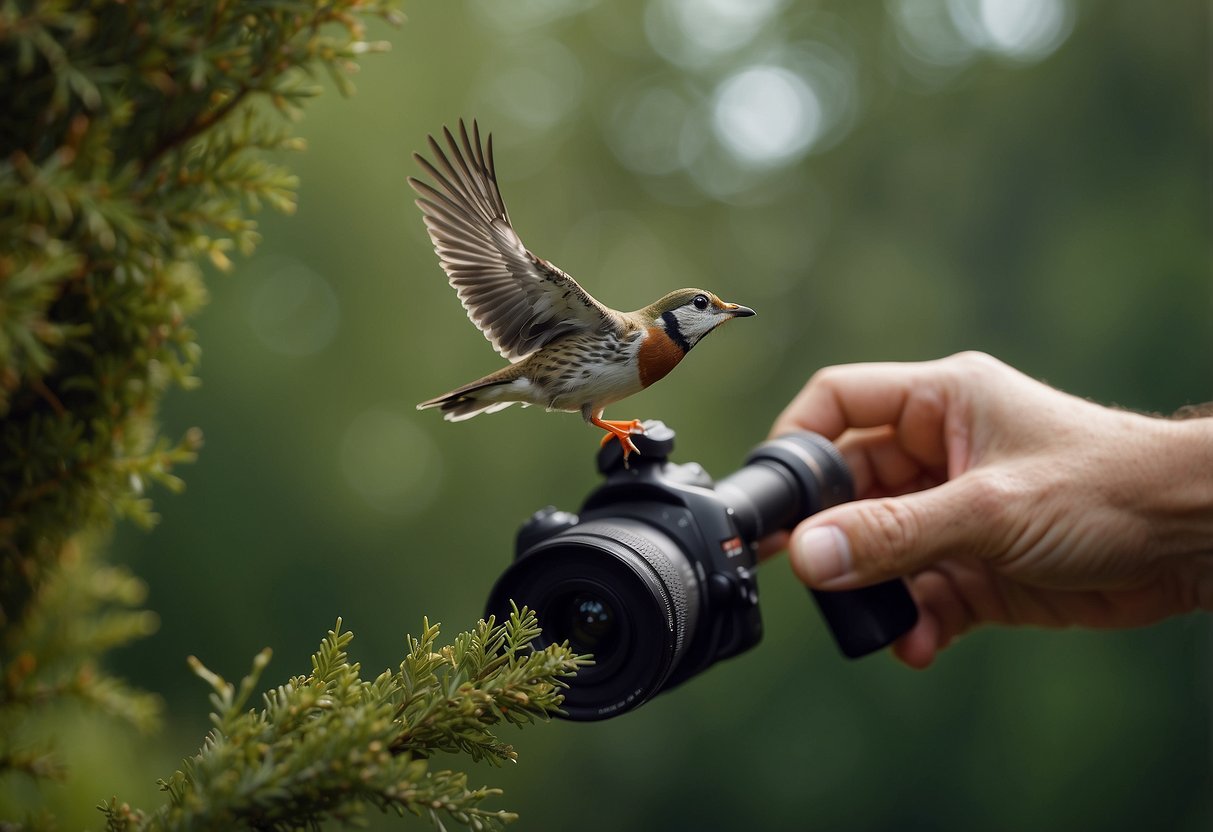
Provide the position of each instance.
(567, 351)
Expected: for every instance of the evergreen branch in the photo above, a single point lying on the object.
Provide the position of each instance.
(124, 160)
(200, 125)
(135, 142)
(331, 745)
(82, 609)
(37, 764)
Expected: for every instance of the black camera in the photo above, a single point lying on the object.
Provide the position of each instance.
(655, 576)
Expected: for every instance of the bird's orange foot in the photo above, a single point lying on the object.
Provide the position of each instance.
(625, 440)
(622, 431)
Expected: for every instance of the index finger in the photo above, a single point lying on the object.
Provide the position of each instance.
(911, 397)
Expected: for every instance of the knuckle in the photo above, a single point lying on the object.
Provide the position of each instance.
(975, 359)
(973, 365)
(891, 529)
(990, 493)
(1002, 516)
(826, 376)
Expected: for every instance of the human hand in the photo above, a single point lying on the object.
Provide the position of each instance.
(1004, 500)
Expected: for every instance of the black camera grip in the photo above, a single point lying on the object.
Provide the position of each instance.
(861, 620)
(868, 619)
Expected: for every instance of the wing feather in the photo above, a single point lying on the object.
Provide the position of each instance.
(519, 301)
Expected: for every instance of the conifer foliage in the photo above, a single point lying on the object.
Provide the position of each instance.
(136, 139)
(330, 744)
(133, 143)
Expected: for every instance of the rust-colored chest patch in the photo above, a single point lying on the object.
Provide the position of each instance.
(658, 355)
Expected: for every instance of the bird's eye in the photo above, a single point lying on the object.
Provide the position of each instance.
(700, 301)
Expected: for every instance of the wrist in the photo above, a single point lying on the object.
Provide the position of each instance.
(1178, 488)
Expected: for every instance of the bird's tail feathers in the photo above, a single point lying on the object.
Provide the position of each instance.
(465, 402)
(458, 411)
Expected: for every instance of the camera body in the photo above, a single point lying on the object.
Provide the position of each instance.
(679, 502)
(655, 576)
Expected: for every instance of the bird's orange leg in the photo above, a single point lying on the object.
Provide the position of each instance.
(620, 430)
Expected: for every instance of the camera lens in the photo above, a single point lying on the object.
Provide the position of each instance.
(789, 478)
(618, 589)
(586, 621)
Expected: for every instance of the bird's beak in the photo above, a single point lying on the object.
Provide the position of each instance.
(738, 311)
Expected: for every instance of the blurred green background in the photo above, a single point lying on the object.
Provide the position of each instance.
(893, 181)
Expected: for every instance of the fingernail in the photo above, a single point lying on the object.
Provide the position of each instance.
(822, 554)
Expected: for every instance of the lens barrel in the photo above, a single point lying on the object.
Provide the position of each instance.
(797, 475)
(620, 589)
(785, 480)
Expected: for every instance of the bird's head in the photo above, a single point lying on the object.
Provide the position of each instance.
(687, 315)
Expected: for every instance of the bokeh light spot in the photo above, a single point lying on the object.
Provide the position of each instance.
(766, 115)
(694, 32)
(927, 32)
(389, 462)
(293, 310)
(1020, 29)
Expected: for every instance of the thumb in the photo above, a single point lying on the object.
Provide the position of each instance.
(864, 542)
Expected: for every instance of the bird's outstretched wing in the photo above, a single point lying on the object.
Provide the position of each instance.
(519, 301)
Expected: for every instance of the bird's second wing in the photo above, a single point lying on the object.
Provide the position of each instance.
(519, 301)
